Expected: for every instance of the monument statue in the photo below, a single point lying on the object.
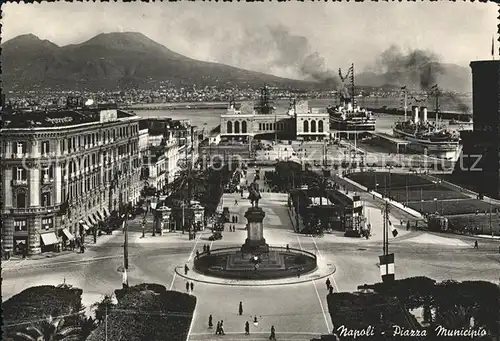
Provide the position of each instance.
(254, 194)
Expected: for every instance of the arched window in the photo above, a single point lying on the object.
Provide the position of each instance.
(244, 127)
(260, 126)
(313, 126)
(229, 127)
(237, 127)
(320, 126)
(306, 126)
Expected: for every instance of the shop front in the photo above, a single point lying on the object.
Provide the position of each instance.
(49, 242)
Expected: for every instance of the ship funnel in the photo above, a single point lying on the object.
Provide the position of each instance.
(414, 110)
(423, 114)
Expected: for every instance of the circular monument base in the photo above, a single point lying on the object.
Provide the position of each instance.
(236, 264)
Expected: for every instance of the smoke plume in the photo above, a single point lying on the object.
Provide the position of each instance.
(416, 69)
(273, 49)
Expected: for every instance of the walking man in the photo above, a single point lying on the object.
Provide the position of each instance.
(186, 269)
(235, 202)
(197, 254)
(328, 283)
(240, 309)
(247, 328)
(222, 328)
(210, 322)
(273, 334)
(476, 246)
(287, 248)
(192, 286)
(187, 286)
(217, 329)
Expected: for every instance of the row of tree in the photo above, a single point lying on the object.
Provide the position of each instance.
(449, 304)
(56, 313)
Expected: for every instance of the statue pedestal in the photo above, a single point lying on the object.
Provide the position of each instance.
(255, 242)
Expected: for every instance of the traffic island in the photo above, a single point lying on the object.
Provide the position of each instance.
(275, 263)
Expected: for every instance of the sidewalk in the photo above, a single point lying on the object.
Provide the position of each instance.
(66, 255)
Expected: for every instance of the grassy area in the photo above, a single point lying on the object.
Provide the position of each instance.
(453, 207)
(414, 189)
(405, 187)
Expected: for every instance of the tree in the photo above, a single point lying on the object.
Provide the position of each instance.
(103, 306)
(45, 313)
(147, 312)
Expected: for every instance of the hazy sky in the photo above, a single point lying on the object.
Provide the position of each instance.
(248, 34)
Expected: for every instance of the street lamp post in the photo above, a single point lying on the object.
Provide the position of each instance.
(154, 203)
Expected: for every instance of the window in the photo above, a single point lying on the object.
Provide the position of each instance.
(21, 200)
(47, 174)
(46, 199)
(20, 225)
(21, 148)
(45, 147)
(313, 126)
(320, 126)
(19, 174)
(47, 223)
(260, 126)
(306, 126)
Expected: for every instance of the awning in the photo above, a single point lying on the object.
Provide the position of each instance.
(100, 215)
(84, 224)
(96, 217)
(92, 220)
(49, 238)
(106, 212)
(68, 234)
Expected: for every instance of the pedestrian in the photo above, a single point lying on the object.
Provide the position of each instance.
(197, 254)
(192, 286)
(476, 246)
(235, 202)
(217, 329)
(240, 309)
(222, 328)
(247, 328)
(210, 322)
(328, 283)
(287, 248)
(273, 334)
(204, 247)
(187, 286)
(208, 249)
(186, 269)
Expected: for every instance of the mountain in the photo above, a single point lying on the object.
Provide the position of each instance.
(449, 77)
(117, 60)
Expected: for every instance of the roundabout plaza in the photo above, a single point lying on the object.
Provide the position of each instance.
(279, 276)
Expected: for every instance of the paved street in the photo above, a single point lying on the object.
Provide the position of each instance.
(298, 311)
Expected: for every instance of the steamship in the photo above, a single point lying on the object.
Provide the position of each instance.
(427, 137)
(346, 117)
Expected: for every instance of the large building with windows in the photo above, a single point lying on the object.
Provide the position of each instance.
(63, 171)
(246, 121)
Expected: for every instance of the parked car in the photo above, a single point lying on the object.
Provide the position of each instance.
(215, 236)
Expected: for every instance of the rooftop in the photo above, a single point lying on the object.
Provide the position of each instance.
(54, 118)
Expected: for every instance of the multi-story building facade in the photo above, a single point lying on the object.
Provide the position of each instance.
(245, 122)
(63, 171)
(480, 161)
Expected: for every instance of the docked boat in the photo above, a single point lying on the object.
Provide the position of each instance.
(346, 117)
(429, 138)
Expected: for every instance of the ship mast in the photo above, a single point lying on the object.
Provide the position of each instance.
(436, 92)
(352, 85)
(406, 103)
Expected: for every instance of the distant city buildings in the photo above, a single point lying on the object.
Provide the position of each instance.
(64, 171)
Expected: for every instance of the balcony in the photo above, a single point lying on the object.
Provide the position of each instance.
(21, 182)
(36, 210)
(46, 180)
